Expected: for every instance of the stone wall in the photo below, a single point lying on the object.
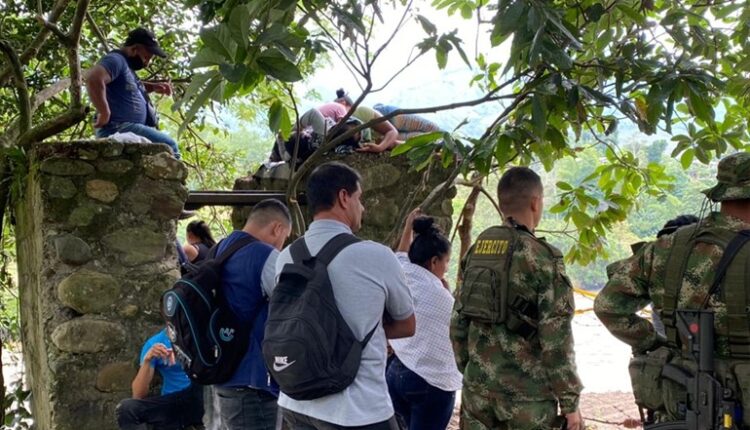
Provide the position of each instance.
(389, 184)
(96, 236)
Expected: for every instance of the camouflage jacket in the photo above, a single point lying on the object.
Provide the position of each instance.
(639, 280)
(502, 364)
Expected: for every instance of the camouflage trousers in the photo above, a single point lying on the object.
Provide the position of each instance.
(482, 413)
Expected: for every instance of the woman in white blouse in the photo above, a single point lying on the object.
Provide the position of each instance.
(423, 377)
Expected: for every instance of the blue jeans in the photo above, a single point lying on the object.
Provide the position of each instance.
(420, 405)
(246, 408)
(170, 412)
(149, 133)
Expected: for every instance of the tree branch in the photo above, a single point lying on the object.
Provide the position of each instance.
(97, 32)
(409, 62)
(53, 126)
(38, 42)
(463, 227)
(22, 90)
(74, 60)
(318, 154)
(51, 91)
(393, 35)
(54, 29)
(12, 132)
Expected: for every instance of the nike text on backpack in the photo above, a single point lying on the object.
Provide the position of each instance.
(208, 339)
(308, 347)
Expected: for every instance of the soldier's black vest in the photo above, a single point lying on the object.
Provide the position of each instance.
(485, 295)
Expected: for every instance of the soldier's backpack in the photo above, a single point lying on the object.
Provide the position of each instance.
(484, 295)
(308, 347)
(207, 338)
(732, 281)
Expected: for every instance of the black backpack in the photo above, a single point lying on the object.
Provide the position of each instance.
(207, 338)
(308, 347)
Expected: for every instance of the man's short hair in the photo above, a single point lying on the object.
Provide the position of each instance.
(269, 210)
(516, 188)
(326, 181)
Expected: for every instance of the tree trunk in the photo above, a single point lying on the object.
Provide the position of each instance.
(464, 229)
(5, 182)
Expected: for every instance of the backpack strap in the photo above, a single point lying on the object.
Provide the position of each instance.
(299, 251)
(732, 249)
(369, 336)
(732, 278)
(331, 249)
(236, 246)
(674, 270)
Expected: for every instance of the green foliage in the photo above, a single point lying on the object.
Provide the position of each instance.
(566, 180)
(579, 68)
(17, 413)
(248, 47)
(19, 27)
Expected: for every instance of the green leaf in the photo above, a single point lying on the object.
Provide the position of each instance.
(557, 56)
(507, 21)
(428, 26)
(196, 83)
(673, 17)
(239, 24)
(611, 128)
(630, 13)
(558, 208)
(272, 34)
(564, 186)
(555, 138)
(274, 116)
(504, 149)
(442, 57)
(206, 58)
(594, 12)
(285, 123)
(273, 63)
(219, 39)
(416, 141)
(536, 46)
(699, 105)
(456, 42)
(538, 116)
(580, 219)
(687, 158)
(201, 100)
(233, 72)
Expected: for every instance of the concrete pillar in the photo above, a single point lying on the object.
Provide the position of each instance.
(96, 235)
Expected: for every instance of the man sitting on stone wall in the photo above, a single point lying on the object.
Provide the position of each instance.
(120, 98)
(180, 405)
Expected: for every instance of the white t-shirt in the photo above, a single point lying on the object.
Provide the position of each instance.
(367, 281)
(429, 352)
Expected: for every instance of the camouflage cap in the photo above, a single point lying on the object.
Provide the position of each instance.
(733, 176)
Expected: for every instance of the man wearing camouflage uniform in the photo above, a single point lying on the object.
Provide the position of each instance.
(676, 272)
(511, 330)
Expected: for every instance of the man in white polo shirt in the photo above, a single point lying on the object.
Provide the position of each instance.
(368, 283)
